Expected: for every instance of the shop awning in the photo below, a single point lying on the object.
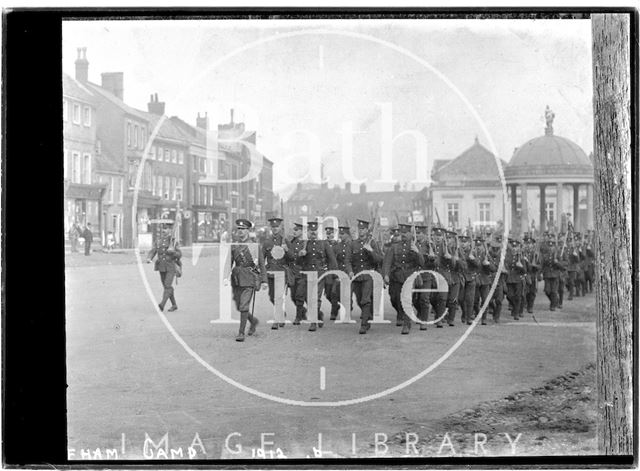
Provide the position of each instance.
(85, 192)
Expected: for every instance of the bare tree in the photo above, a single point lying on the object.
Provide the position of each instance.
(613, 282)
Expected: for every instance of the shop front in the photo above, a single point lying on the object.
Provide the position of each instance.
(209, 225)
(82, 205)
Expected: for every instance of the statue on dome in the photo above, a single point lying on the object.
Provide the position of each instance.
(548, 116)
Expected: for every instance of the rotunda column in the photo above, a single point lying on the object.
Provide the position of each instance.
(560, 206)
(576, 206)
(524, 209)
(543, 204)
(589, 206)
(514, 210)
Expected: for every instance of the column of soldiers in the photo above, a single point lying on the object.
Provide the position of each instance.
(469, 265)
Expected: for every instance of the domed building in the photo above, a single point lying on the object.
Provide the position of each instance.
(554, 174)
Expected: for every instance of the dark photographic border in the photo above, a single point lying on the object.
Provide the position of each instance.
(33, 355)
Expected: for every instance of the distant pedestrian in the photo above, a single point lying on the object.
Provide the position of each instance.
(74, 234)
(111, 241)
(88, 238)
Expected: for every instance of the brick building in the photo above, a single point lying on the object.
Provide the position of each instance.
(83, 191)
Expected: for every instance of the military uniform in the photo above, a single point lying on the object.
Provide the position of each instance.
(247, 275)
(573, 265)
(342, 252)
(450, 268)
(399, 263)
(298, 285)
(422, 301)
(533, 271)
(167, 262)
(501, 286)
(470, 272)
(550, 273)
(516, 279)
(589, 270)
(363, 259)
(486, 274)
(330, 282)
(319, 257)
(275, 252)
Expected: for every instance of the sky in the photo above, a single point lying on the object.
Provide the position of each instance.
(320, 91)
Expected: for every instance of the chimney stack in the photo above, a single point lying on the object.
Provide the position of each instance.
(363, 188)
(396, 187)
(82, 66)
(154, 106)
(347, 187)
(231, 115)
(202, 122)
(113, 82)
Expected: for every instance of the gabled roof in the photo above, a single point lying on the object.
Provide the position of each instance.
(476, 163)
(74, 89)
(107, 95)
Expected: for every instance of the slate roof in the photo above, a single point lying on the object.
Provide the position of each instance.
(475, 164)
(72, 88)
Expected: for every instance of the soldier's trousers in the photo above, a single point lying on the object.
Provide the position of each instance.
(332, 293)
(438, 303)
(561, 284)
(514, 295)
(167, 283)
(452, 301)
(531, 291)
(571, 284)
(482, 293)
(581, 289)
(363, 289)
(551, 290)
(467, 298)
(498, 297)
(395, 290)
(588, 280)
(299, 295)
(318, 297)
(242, 295)
(421, 301)
(87, 248)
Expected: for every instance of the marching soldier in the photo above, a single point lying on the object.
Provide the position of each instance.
(342, 251)
(400, 261)
(470, 269)
(330, 281)
(550, 272)
(438, 300)
(168, 264)
(563, 261)
(317, 256)
(573, 262)
(501, 286)
(533, 271)
(276, 255)
(298, 284)
(516, 278)
(365, 255)
(588, 267)
(486, 274)
(422, 300)
(451, 270)
(247, 277)
(580, 269)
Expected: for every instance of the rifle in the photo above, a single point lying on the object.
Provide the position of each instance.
(438, 217)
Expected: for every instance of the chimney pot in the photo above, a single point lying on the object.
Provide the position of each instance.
(82, 66)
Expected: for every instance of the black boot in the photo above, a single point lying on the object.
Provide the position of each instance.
(254, 323)
(174, 305)
(243, 324)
